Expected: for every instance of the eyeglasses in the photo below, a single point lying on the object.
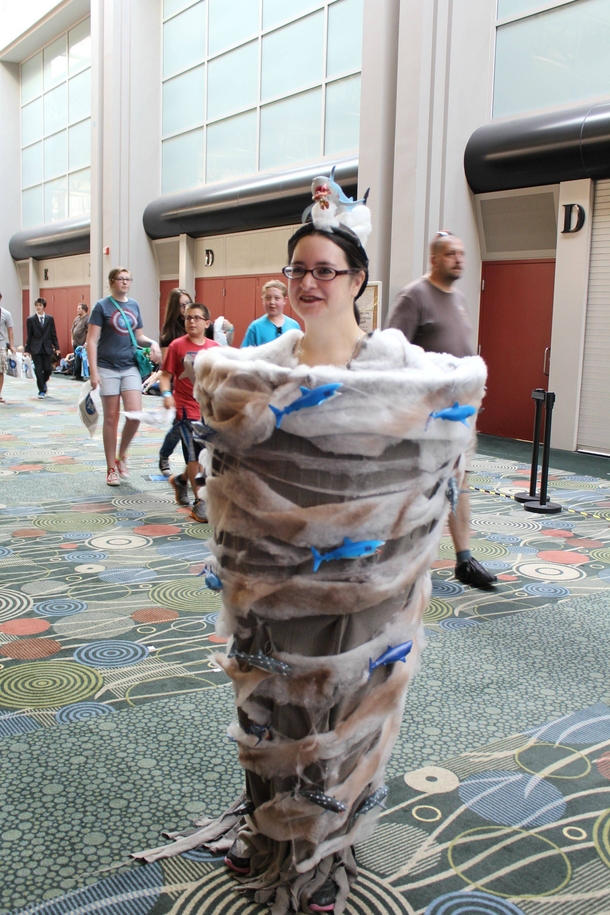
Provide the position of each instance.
(294, 272)
(123, 279)
(195, 318)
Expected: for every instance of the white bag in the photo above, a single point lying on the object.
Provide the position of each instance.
(219, 335)
(159, 418)
(13, 365)
(89, 406)
(28, 367)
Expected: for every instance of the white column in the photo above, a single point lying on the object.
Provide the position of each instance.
(127, 144)
(34, 281)
(570, 312)
(444, 80)
(10, 169)
(377, 128)
(98, 263)
(186, 264)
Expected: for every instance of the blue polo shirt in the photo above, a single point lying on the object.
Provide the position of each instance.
(264, 331)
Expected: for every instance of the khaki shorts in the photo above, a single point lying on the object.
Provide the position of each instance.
(3, 360)
(471, 451)
(115, 381)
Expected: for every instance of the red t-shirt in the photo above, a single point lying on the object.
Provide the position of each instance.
(182, 385)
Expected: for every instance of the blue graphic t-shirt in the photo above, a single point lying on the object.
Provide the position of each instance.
(115, 349)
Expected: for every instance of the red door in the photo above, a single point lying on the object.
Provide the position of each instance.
(210, 292)
(515, 340)
(240, 304)
(57, 305)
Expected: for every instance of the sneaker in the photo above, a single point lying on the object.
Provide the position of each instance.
(323, 899)
(471, 572)
(181, 489)
(112, 478)
(198, 511)
(41, 395)
(236, 858)
(121, 466)
(164, 466)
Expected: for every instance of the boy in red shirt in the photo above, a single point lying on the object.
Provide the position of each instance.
(174, 376)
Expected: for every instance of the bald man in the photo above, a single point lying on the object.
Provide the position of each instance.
(432, 314)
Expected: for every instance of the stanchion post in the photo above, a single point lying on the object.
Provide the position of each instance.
(541, 505)
(538, 395)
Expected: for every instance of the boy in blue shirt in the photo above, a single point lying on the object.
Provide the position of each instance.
(274, 322)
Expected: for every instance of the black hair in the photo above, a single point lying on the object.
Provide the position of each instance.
(345, 239)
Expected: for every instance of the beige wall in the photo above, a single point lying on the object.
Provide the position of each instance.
(64, 271)
(244, 253)
(569, 314)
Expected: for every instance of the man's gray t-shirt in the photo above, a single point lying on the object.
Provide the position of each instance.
(6, 321)
(115, 349)
(435, 320)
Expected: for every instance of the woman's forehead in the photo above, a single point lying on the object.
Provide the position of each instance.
(319, 249)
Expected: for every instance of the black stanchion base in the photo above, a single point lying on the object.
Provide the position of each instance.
(551, 508)
(523, 497)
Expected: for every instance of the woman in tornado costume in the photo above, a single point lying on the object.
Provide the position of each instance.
(334, 461)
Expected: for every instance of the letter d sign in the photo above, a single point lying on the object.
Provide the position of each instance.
(567, 218)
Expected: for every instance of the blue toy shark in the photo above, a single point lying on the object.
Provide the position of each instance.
(349, 550)
(399, 653)
(212, 580)
(455, 414)
(312, 397)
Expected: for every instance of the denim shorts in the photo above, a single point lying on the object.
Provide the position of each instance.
(115, 381)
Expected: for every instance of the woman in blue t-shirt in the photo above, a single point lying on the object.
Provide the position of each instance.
(113, 368)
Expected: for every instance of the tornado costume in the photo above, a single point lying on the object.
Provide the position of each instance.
(328, 492)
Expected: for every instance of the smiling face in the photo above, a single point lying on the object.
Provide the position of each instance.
(312, 298)
(274, 302)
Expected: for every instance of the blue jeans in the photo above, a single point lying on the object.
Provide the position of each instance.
(171, 440)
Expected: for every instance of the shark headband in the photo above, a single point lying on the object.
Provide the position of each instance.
(332, 209)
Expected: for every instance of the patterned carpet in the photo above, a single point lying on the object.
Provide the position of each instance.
(113, 711)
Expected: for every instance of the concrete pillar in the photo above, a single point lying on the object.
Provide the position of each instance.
(570, 313)
(10, 169)
(98, 263)
(186, 264)
(444, 81)
(126, 153)
(34, 282)
(377, 129)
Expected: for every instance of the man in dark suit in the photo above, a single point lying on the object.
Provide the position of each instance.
(41, 343)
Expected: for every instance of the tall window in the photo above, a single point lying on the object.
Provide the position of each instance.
(56, 129)
(550, 56)
(250, 85)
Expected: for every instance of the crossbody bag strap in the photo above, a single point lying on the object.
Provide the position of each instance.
(127, 323)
